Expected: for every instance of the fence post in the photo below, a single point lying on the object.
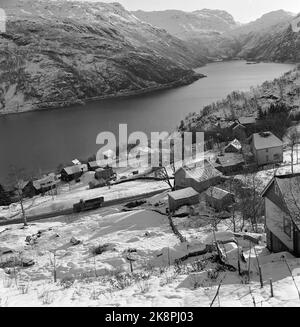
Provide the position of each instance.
(271, 287)
(260, 277)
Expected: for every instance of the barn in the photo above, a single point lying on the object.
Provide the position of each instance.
(93, 165)
(179, 198)
(230, 163)
(200, 177)
(218, 198)
(73, 172)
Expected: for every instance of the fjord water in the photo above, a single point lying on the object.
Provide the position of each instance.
(40, 141)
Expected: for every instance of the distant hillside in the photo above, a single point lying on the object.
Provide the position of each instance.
(269, 38)
(187, 25)
(214, 34)
(58, 53)
(283, 91)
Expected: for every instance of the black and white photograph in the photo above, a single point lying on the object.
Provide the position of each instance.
(150, 156)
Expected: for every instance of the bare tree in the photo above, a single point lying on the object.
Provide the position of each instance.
(250, 201)
(161, 172)
(17, 177)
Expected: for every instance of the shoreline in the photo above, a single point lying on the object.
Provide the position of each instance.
(186, 80)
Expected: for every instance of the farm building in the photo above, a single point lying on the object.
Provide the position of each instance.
(45, 184)
(230, 163)
(28, 190)
(233, 147)
(267, 148)
(282, 213)
(39, 186)
(218, 198)
(73, 172)
(179, 198)
(200, 177)
(93, 165)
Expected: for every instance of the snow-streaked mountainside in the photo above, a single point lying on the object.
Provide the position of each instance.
(189, 24)
(215, 34)
(59, 53)
(270, 38)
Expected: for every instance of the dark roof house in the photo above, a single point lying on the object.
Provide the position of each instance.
(230, 163)
(73, 172)
(234, 146)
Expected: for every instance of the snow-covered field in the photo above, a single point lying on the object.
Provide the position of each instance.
(67, 196)
(86, 279)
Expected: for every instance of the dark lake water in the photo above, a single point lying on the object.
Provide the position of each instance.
(40, 141)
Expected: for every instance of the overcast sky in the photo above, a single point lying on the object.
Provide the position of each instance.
(242, 10)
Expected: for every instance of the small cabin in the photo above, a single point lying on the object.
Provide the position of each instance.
(73, 172)
(200, 177)
(187, 196)
(93, 165)
(229, 163)
(218, 198)
(233, 147)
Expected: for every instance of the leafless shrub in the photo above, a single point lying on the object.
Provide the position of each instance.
(67, 282)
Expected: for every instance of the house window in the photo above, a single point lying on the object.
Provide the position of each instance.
(287, 226)
(267, 150)
(276, 156)
(267, 158)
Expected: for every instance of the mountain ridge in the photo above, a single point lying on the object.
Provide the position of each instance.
(74, 51)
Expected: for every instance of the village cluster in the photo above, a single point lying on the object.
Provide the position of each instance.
(241, 201)
(248, 152)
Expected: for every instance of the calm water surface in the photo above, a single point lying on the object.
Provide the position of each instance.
(39, 141)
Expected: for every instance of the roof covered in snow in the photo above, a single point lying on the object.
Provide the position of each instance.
(266, 140)
(235, 143)
(75, 169)
(47, 181)
(202, 172)
(217, 193)
(94, 164)
(183, 194)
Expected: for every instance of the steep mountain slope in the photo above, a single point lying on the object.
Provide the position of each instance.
(202, 30)
(275, 42)
(215, 34)
(187, 25)
(59, 53)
